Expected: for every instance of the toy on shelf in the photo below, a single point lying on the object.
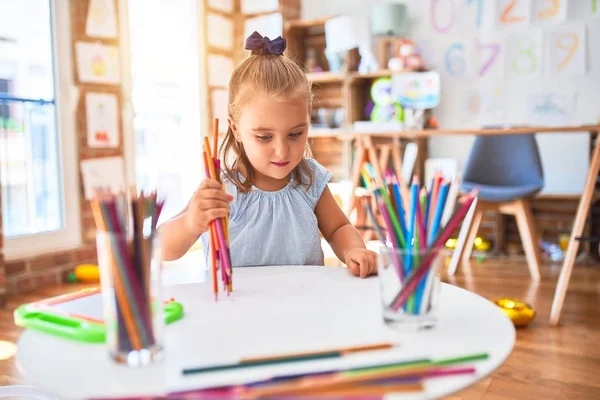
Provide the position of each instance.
(383, 107)
(407, 57)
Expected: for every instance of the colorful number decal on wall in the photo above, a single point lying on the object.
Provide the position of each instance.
(494, 52)
(506, 16)
(551, 10)
(479, 10)
(570, 43)
(594, 6)
(525, 53)
(455, 60)
(433, 14)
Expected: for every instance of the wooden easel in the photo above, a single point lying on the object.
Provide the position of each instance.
(380, 157)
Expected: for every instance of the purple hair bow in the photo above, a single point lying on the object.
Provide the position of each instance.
(264, 45)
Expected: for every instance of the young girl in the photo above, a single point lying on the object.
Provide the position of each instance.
(276, 198)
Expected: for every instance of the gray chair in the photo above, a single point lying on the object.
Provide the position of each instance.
(507, 171)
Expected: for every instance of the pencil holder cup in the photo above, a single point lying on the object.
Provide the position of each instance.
(409, 282)
(130, 281)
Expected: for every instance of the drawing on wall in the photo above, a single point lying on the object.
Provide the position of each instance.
(524, 54)
(101, 19)
(551, 109)
(417, 90)
(567, 51)
(97, 63)
(513, 13)
(554, 11)
(102, 119)
(488, 106)
(106, 172)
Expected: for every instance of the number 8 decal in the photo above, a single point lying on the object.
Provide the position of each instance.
(525, 53)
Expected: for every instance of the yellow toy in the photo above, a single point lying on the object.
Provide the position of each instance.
(520, 313)
(87, 273)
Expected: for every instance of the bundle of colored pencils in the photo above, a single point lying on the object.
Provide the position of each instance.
(125, 247)
(418, 234)
(219, 228)
(369, 381)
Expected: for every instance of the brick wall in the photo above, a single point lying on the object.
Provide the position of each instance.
(2, 268)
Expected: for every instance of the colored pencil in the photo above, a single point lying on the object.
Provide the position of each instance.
(286, 358)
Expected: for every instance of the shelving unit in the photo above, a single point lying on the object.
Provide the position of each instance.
(345, 90)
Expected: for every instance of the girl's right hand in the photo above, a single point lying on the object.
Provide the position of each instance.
(208, 203)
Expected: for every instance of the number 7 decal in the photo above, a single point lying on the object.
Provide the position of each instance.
(495, 49)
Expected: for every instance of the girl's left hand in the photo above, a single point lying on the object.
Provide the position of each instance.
(361, 262)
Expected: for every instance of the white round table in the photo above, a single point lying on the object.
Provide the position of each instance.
(272, 310)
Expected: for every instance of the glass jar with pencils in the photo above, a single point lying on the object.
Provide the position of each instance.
(409, 281)
(129, 259)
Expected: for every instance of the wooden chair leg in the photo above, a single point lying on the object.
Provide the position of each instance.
(468, 250)
(500, 234)
(462, 238)
(529, 237)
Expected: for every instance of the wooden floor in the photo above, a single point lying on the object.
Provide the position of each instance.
(546, 363)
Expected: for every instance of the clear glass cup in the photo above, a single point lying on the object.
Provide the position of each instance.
(409, 282)
(130, 282)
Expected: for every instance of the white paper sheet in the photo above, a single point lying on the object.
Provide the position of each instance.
(219, 105)
(512, 13)
(97, 63)
(259, 6)
(220, 31)
(102, 119)
(221, 5)
(554, 11)
(101, 19)
(524, 57)
(551, 109)
(489, 56)
(219, 70)
(267, 25)
(106, 172)
(567, 50)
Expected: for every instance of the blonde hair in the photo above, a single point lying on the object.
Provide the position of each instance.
(273, 75)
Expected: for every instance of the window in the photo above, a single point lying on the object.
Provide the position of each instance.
(165, 97)
(40, 205)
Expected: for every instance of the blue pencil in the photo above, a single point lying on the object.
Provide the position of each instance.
(435, 224)
(398, 199)
(408, 261)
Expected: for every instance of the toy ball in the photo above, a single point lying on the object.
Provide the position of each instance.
(396, 64)
(520, 313)
(88, 273)
(386, 113)
(381, 92)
